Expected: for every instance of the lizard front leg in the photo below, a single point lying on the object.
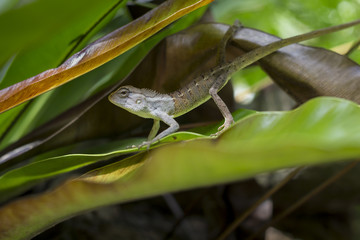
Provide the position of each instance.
(173, 127)
(154, 129)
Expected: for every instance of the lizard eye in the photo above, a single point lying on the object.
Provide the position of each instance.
(138, 101)
(124, 92)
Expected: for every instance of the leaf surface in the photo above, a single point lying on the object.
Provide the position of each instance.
(320, 131)
(305, 72)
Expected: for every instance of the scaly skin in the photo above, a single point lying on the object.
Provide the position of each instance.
(165, 107)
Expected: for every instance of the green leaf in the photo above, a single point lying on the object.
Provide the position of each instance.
(320, 131)
(20, 179)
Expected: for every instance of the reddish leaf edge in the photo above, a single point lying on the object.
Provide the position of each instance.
(94, 55)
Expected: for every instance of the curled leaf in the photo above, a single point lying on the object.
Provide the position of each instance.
(305, 72)
(99, 52)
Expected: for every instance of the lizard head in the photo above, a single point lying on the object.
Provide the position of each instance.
(132, 99)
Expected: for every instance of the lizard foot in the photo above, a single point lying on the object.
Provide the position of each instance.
(146, 143)
(223, 127)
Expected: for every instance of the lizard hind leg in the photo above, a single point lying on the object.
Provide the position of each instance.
(222, 107)
(221, 80)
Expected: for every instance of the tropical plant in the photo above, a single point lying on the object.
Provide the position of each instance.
(64, 146)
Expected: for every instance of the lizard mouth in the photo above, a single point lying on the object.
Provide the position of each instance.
(114, 99)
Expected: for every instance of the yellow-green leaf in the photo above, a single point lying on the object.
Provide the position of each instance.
(320, 131)
(99, 52)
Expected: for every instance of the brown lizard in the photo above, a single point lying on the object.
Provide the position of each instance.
(147, 103)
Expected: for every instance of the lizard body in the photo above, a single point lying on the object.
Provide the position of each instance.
(165, 107)
(191, 95)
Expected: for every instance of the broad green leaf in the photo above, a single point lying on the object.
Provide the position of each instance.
(20, 179)
(5, 5)
(320, 131)
(8, 117)
(99, 52)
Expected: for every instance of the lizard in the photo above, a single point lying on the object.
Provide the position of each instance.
(165, 107)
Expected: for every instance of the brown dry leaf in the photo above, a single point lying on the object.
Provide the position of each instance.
(99, 52)
(305, 72)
